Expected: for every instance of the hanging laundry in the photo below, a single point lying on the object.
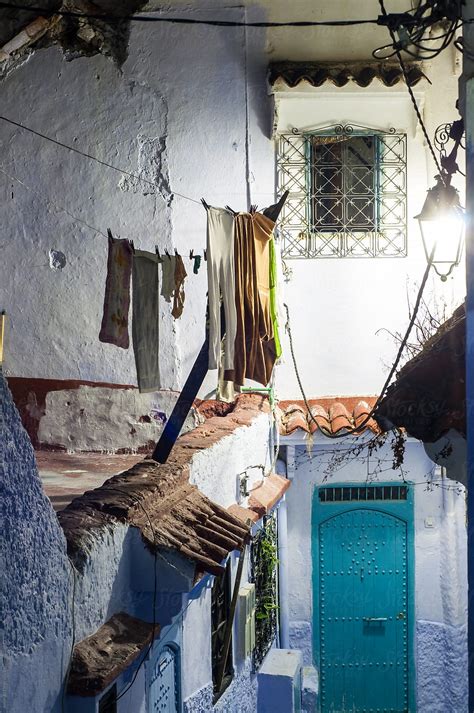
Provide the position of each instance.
(255, 351)
(145, 326)
(275, 292)
(114, 327)
(221, 279)
(197, 263)
(180, 275)
(168, 265)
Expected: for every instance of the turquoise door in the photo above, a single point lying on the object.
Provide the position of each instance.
(363, 599)
(164, 691)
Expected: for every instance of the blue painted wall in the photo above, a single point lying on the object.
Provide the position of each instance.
(36, 578)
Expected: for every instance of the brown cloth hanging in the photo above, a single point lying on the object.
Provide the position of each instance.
(180, 275)
(255, 353)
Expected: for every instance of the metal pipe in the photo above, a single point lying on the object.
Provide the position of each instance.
(284, 609)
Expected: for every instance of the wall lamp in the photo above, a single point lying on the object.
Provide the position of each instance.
(442, 217)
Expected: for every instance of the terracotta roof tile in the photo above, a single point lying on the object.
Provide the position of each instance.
(339, 417)
(327, 415)
(262, 498)
(294, 417)
(99, 659)
(319, 418)
(362, 74)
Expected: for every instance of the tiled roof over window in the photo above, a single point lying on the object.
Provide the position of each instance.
(99, 659)
(362, 74)
(329, 416)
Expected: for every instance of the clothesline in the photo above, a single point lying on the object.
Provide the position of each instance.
(56, 206)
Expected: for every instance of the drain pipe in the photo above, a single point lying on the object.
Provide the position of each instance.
(284, 610)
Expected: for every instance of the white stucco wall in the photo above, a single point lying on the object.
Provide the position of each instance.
(217, 470)
(440, 558)
(176, 114)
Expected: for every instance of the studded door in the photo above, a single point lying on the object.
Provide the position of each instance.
(363, 613)
(164, 693)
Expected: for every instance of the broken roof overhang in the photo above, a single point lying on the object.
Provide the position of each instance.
(428, 396)
(21, 31)
(100, 658)
(339, 74)
(159, 500)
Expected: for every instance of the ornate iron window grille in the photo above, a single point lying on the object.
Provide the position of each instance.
(347, 193)
(220, 612)
(264, 574)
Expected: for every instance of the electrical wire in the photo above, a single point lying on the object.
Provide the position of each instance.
(92, 158)
(51, 203)
(412, 96)
(107, 17)
(362, 425)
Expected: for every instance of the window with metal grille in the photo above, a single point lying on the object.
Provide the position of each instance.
(347, 193)
(108, 702)
(337, 494)
(220, 614)
(264, 574)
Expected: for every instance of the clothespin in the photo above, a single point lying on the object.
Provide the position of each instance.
(167, 254)
(109, 235)
(191, 254)
(206, 205)
(231, 210)
(157, 251)
(205, 255)
(176, 252)
(132, 245)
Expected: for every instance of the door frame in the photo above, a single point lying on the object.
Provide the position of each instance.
(400, 509)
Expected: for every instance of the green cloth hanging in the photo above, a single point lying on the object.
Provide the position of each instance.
(273, 297)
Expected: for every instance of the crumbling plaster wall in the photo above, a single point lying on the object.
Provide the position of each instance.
(156, 117)
(36, 582)
(440, 559)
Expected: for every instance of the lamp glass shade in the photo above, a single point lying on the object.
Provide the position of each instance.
(442, 228)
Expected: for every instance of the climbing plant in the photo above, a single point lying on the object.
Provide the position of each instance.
(264, 574)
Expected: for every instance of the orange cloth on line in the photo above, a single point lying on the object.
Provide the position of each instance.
(255, 353)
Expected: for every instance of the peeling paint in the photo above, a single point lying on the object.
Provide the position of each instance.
(152, 166)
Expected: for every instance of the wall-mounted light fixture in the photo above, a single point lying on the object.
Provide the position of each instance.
(442, 217)
(442, 227)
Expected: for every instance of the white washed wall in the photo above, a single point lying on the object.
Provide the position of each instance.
(176, 114)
